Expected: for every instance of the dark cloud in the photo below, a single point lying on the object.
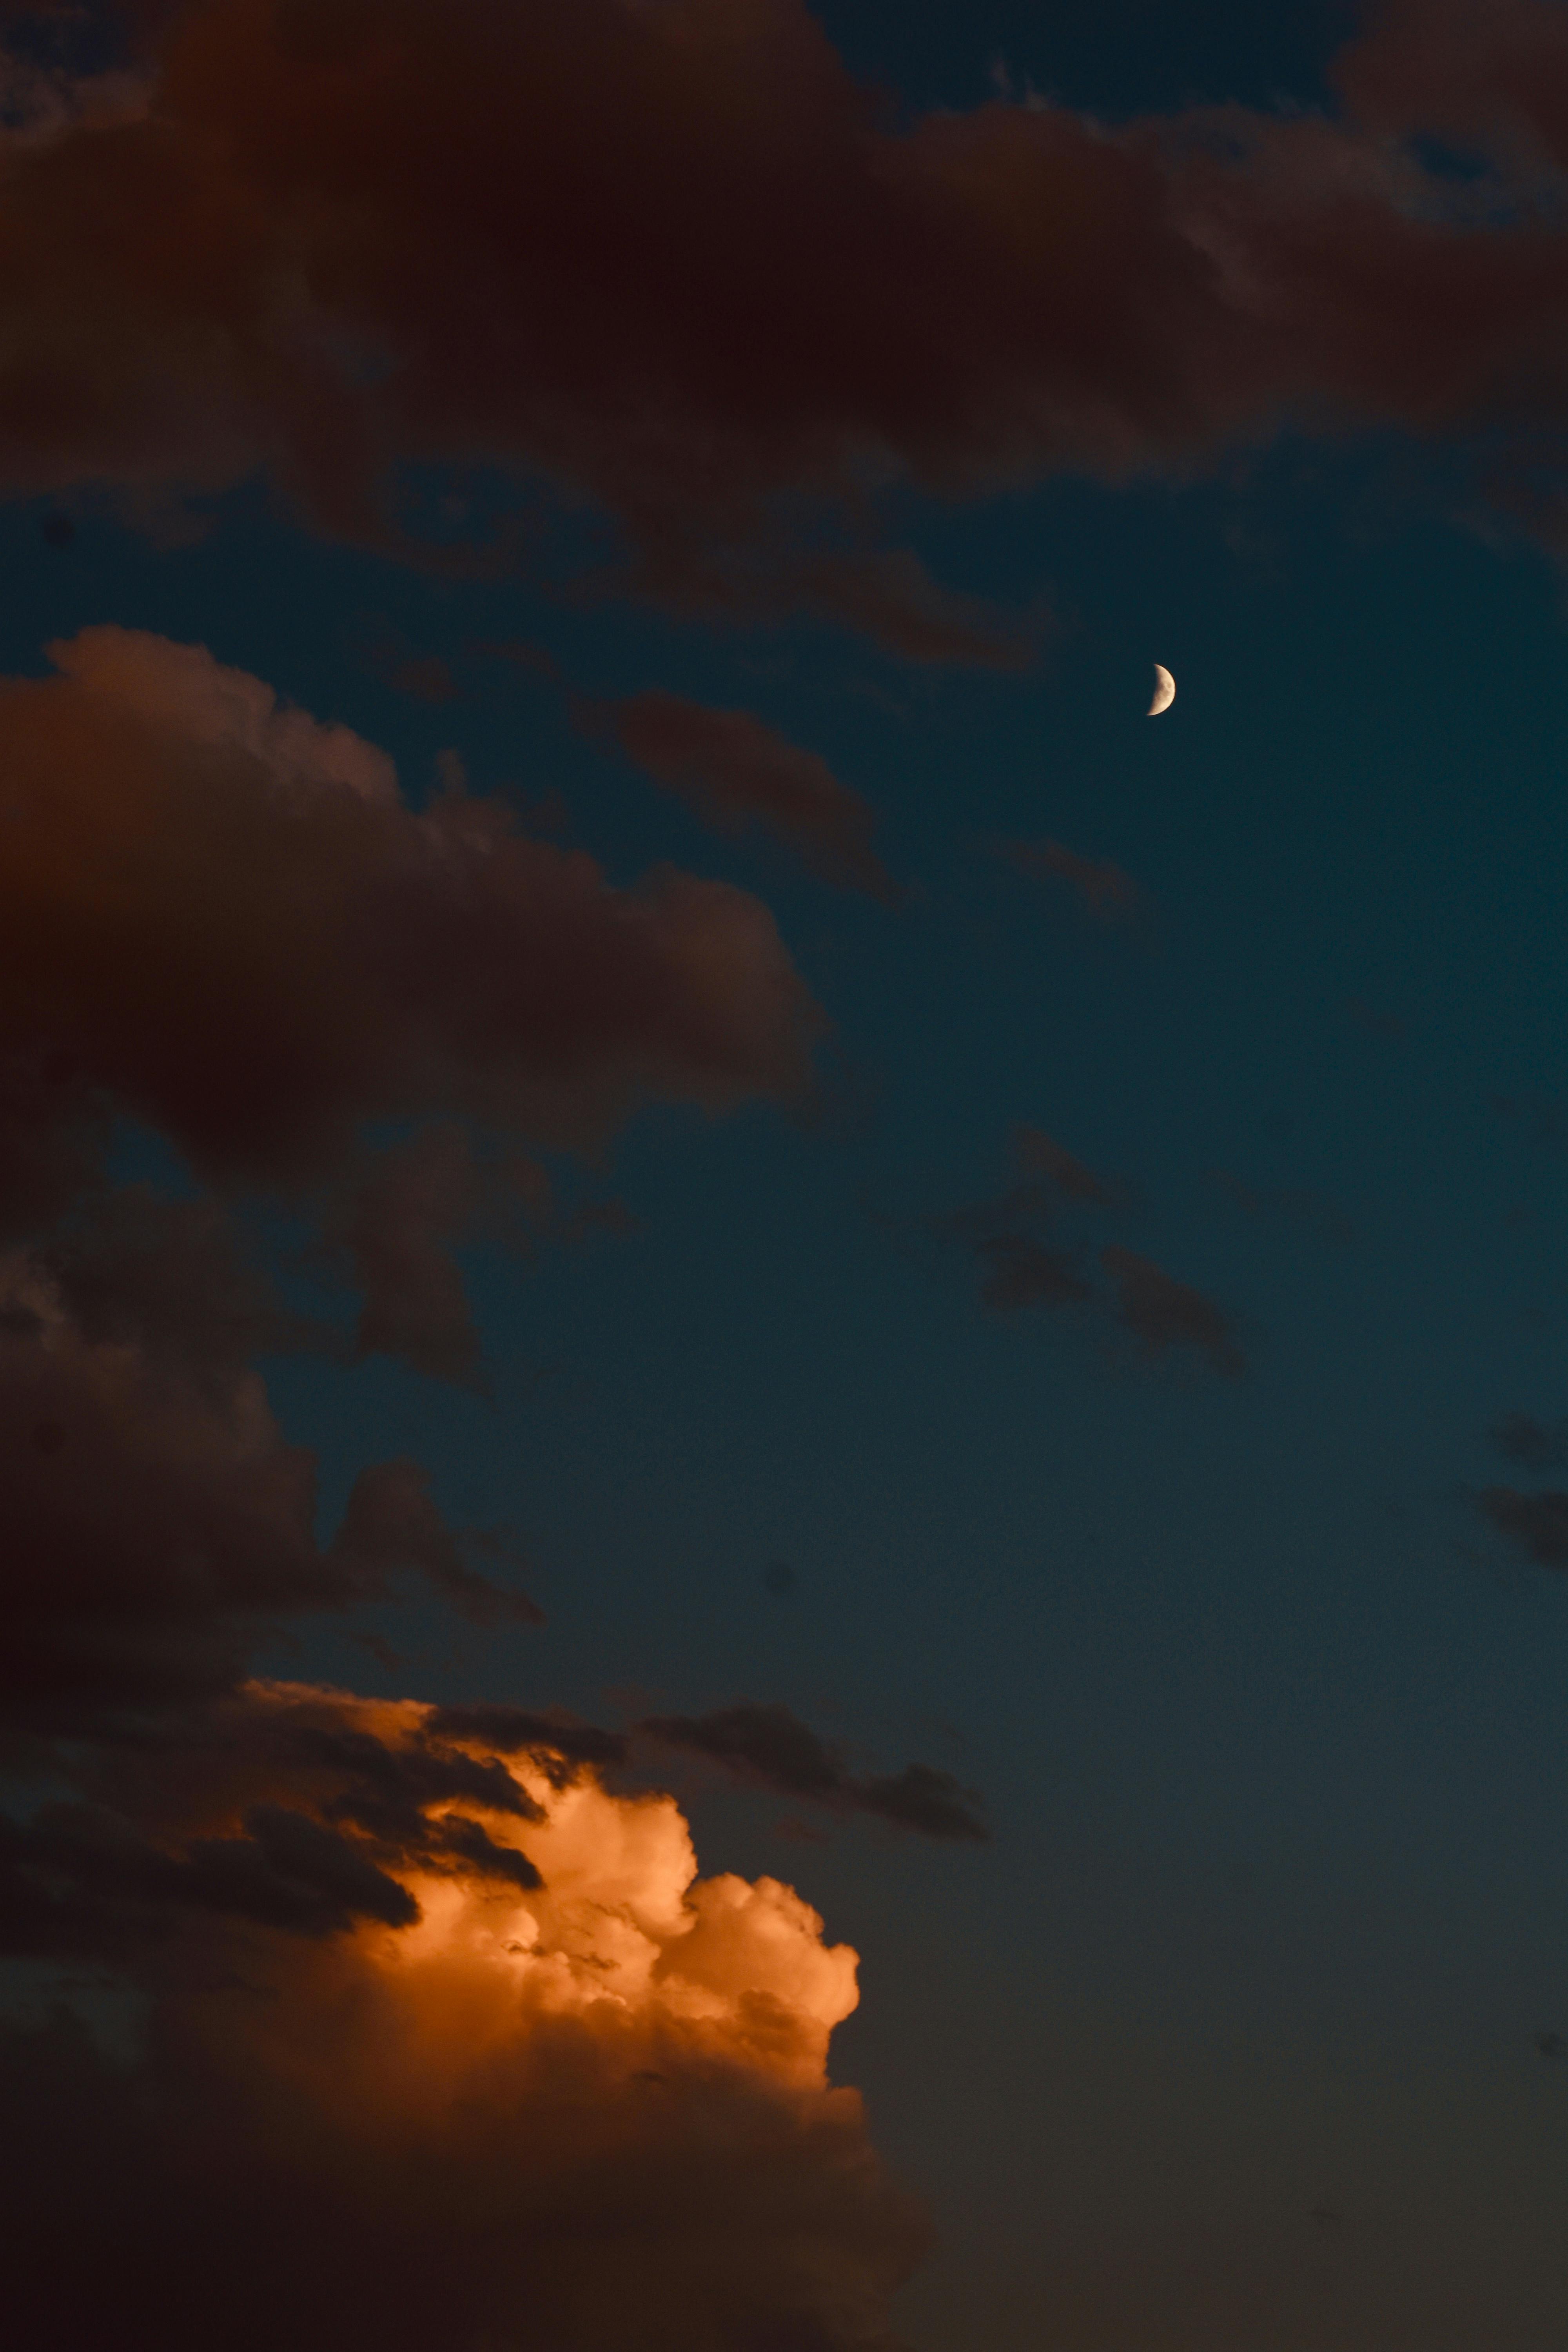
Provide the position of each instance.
(1537, 1445)
(157, 1523)
(771, 1747)
(1026, 1267)
(391, 1522)
(54, 1134)
(1038, 1154)
(471, 1842)
(318, 954)
(922, 1798)
(1536, 1523)
(292, 1872)
(1025, 1273)
(674, 259)
(292, 1809)
(177, 1279)
(514, 1731)
(383, 1788)
(1108, 893)
(219, 917)
(80, 1879)
(399, 1226)
(586, 2201)
(733, 771)
(1162, 1313)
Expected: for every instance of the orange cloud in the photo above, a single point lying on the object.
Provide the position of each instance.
(588, 2110)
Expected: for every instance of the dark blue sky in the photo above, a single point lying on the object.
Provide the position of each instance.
(1227, 2037)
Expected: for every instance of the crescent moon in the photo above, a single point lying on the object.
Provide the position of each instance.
(1164, 690)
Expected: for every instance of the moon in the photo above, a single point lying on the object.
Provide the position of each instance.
(1164, 690)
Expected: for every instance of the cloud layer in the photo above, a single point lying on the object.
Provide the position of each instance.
(674, 260)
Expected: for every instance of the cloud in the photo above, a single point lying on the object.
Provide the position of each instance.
(159, 1525)
(1013, 1238)
(391, 1520)
(674, 261)
(277, 1804)
(77, 1879)
(1104, 888)
(177, 1281)
(398, 1228)
(430, 2031)
(1538, 1445)
(221, 916)
(1038, 1154)
(1023, 1273)
(1048, 1175)
(560, 1746)
(774, 1749)
(1162, 1313)
(1535, 1524)
(403, 2092)
(734, 771)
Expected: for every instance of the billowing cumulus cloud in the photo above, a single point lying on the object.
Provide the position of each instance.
(733, 771)
(385, 2088)
(674, 259)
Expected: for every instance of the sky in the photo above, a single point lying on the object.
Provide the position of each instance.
(784, 1408)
